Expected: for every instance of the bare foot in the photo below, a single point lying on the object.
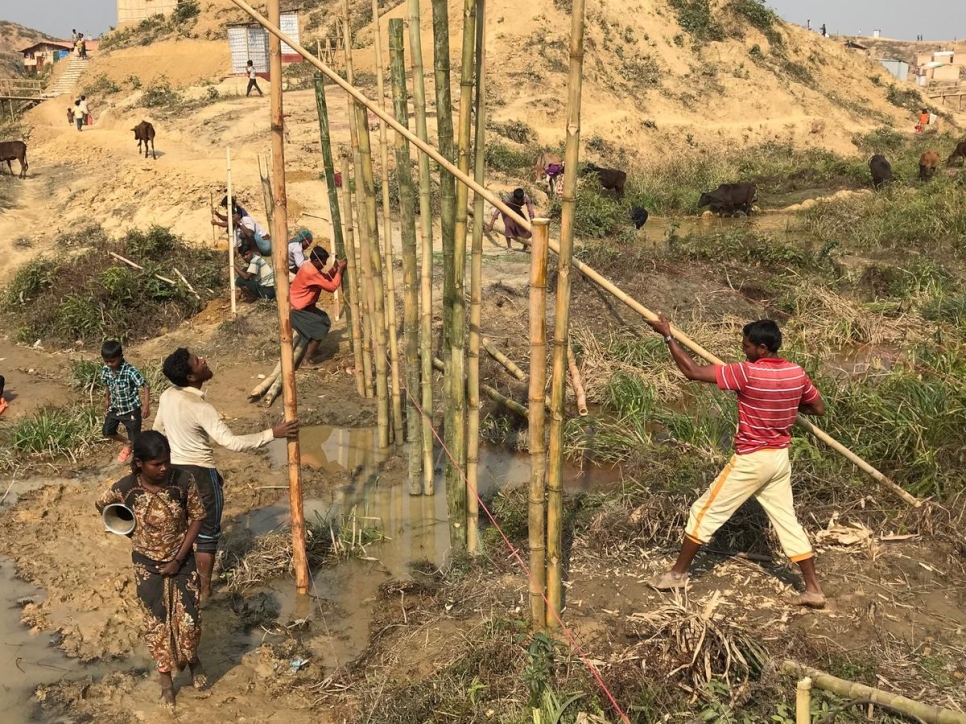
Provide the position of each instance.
(204, 597)
(167, 690)
(809, 599)
(670, 581)
(199, 679)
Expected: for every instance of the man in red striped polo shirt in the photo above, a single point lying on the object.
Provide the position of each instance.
(771, 392)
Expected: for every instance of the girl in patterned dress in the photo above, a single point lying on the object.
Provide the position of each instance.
(168, 513)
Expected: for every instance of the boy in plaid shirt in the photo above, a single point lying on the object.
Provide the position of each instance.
(128, 397)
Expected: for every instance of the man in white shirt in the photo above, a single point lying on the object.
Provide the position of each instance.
(191, 425)
(296, 251)
(248, 232)
(252, 80)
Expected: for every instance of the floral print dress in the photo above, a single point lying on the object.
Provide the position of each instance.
(169, 603)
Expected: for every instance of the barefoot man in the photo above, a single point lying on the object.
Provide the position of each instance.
(771, 391)
(191, 424)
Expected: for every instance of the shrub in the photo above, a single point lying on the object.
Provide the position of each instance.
(695, 17)
(598, 213)
(160, 95)
(517, 131)
(501, 157)
(907, 98)
(55, 431)
(185, 11)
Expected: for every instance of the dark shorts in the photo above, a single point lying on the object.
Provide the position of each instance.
(210, 485)
(255, 288)
(311, 323)
(130, 420)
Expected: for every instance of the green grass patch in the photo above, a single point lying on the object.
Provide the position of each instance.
(56, 431)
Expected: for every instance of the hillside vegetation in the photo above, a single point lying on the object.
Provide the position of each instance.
(14, 38)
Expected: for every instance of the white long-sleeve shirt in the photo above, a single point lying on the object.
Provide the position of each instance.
(191, 424)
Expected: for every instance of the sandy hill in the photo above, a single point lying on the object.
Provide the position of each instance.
(907, 50)
(14, 38)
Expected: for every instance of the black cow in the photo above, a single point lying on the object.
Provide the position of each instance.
(10, 150)
(610, 178)
(144, 133)
(959, 152)
(639, 216)
(730, 199)
(881, 171)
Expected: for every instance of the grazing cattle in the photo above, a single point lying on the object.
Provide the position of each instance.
(639, 216)
(10, 150)
(144, 133)
(959, 152)
(927, 165)
(548, 168)
(730, 199)
(881, 171)
(609, 178)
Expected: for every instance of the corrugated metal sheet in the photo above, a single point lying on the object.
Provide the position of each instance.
(290, 26)
(898, 68)
(248, 42)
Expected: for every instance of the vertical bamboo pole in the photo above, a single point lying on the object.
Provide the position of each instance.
(476, 296)
(370, 236)
(231, 238)
(351, 295)
(803, 702)
(361, 322)
(397, 416)
(279, 254)
(266, 180)
(561, 323)
(407, 231)
(426, 261)
(537, 421)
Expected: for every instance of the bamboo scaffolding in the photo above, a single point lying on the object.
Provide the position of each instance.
(370, 238)
(426, 254)
(537, 420)
(407, 232)
(397, 416)
(592, 275)
(561, 323)
(279, 257)
(578, 384)
(231, 239)
(476, 296)
(492, 393)
(851, 690)
(360, 328)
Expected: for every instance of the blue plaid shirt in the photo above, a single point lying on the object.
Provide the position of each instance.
(123, 386)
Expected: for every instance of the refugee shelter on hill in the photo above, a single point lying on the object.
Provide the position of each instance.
(43, 54)
(249, 41)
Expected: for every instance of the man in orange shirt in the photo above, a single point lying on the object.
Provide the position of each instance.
(310, 281)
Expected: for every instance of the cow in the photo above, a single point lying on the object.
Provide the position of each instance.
(959, 152)
(638, 215)
(609, 178)
(10, 150)
(730, 199)
(144, 133)
(927, 165)
(881, 171)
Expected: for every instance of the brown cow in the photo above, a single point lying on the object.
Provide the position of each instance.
(928, 162)
(144, 133)
(959, 152)
(545, 161)
(609, 178)
(10, 150)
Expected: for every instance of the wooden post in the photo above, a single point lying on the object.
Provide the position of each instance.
(266, 180)
(426, 255)
(803, 702)
(231, 238)
(561, 322)
(407, 231)
(362, 328)
(537, 416)
(370, 238)
(476, 298)
(279, 256)
(397, 416)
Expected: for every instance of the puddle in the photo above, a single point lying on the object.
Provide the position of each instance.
(862, 359)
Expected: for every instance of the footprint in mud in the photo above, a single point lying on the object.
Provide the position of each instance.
(259, 609)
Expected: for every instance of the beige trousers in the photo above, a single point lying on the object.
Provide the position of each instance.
(765, 474)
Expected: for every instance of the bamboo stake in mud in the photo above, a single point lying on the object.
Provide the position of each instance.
(426, 254)
(279, 256)
(231, 238)
(397, 416)
(360, 288)
(370, 240)
(476, 299)
(803, 702)
(537, 418)
(591, 274)
(578, 384)
(407, 231)
(363, 370)
(561, 322)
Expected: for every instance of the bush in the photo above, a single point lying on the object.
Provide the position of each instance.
(501, 157)
(598, 213)
(185, 11)
(907, 98)
(55, 431)
(160, 95)
(694, 17)
(516, 131)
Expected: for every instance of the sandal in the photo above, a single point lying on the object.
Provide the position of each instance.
(670, 581)
(125, 454)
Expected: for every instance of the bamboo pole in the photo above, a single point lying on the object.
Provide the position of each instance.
(263, 386)
(561, 322)
(397, 416)
(266, 181)
(407, 231)
(803, 702)
(537, 419)
(492, 393)
(592, 275)
(231, 238)
(279, 256)
(426, 253)
(211, 208)
(358, 288)
(576, 381)
(370, 237)
(476, 297)
(352, 292)
(851, 690)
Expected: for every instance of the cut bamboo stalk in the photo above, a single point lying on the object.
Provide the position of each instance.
(394, 372)
(577, 383)
(426, 248)
(262, 386)
(508, 364)
(279, 256)
(407, 232)
(476, 298)
(537, 420)
(561, 323)
(592, 275)
(851, 690)
(492, 393)
(172, 282)
(370, 238)
(231, 238)
(360, 326)
(276, 387)
(803, 702)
